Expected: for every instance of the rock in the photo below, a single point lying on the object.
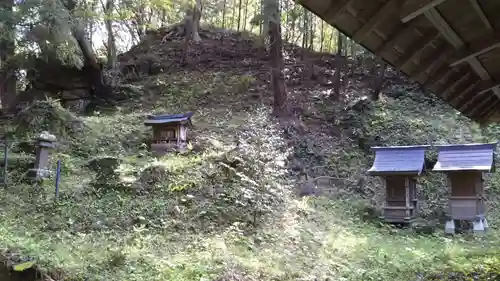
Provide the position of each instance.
(104, 165)
(151, 177)
(107, 174)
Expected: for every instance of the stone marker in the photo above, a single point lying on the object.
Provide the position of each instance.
(43, 144)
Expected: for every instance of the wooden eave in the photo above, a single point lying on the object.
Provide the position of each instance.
(451, 47)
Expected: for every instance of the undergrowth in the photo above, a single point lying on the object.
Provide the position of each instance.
(226, 210)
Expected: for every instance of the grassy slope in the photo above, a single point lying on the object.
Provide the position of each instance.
(120, 236)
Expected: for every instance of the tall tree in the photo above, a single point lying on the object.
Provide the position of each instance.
(280, 106)
(239, 14)
(108, 9)
(338, 67)
(7, 50)
(191, 27)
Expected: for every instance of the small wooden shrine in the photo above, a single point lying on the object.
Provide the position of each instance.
(399, 166)
(169, 132)
(464, 165)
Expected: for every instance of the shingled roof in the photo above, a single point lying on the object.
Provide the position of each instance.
(168, 118)
(451, 47)
(465, 157)
(398, 160)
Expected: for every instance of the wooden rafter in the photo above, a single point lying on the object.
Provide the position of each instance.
(478, 110)
(416, 48)
(461, 96)
(454, 39)
(395, 35)
(444, 28)
(438, 74)
(489, 108)
(449, 79)
(492, 111)
(336, 8)
(493, 87)
(476, 48)
(422, 10)
(452, 84)
(390, 7)
(431, 59)
(437, 66)
(472, 111)
(468, 103)
(480, 13)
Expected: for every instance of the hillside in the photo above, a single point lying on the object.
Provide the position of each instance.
(228, 210)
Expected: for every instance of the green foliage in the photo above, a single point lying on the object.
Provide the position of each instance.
(47, 115)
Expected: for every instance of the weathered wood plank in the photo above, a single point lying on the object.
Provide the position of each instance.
(476, 48)
(416, 48)
(480, 13)
(444, 28)
(426, 63)
(336, 8)
(413, 14)
(453, 84)
(395, 35)
(386, 10)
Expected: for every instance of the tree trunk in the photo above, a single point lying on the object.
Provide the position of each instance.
(92, 70)
(280, 107)
(378, 81)
(322, 39)
(111, 44)
(191, 28)
(338, 69)
(245, 15)
(239, 14)
(8, 78)
(198, 9)
(224, 14)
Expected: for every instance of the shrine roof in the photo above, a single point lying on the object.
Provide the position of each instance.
(168, 118)
(398, 160)
(466, 157)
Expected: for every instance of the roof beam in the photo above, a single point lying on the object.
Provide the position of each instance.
(492, 88)
(395, 35)
(421, 10)
(457, 99)
(481, 105)
(478, 47)
(436, 56)
(488, 115)
(336, 8)
(449, 79)
(479, 89)
(479, 69)
(465, 106)
(388, 8)
(490, 108)
(449, 88)
(480, 13)
(416, 48)
(437, 75)
(444, 28)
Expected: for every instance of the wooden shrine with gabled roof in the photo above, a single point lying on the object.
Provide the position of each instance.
(464, 165)
(399, 166)
(170, 132)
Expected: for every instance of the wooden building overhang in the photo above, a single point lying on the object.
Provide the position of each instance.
(451, 47)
